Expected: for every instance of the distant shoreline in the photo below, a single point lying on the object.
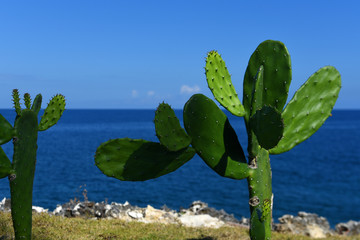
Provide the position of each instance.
(199, 214)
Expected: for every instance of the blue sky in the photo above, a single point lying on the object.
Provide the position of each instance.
(136, 54)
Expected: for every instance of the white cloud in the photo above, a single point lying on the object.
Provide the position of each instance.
(150, 93)
(185, 89)
(134, 93)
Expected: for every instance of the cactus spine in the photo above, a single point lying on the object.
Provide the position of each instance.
(22, 169)
(271, 128)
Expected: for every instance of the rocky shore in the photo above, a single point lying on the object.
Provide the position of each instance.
(199, 214)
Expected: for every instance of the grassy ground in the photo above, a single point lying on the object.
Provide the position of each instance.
(47, 227)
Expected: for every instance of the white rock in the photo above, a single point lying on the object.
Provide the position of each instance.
(135, 214)
(114, 215)
(120, 204)
(77, 207)
(107, 207)
(203, 220)
(57, 210)
(39, 209)
(2, 204)
(315, 231)
(159, 216)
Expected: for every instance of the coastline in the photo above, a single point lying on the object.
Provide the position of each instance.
(198, 214)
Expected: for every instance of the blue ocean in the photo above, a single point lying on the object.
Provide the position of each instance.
(321, 175)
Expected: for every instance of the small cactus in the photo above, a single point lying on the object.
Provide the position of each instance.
(22, 169)
(271, 128)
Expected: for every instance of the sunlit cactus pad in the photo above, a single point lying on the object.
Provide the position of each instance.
(53, 112)
(219, 82)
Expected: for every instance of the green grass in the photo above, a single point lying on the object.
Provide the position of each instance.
(47, 227)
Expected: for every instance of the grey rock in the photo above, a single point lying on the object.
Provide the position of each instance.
(166, 209)
(93, 210)
(308, 224)
(351, 228)
(245, 221)
(5, 205)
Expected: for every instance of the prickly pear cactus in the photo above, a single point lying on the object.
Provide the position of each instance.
(271, 128)
(21, 170)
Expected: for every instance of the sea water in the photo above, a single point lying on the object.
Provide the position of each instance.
(320, 175)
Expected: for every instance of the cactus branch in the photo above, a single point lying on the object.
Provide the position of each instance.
(53, 112)
(36, 106)
(268, 126)
(168, 129)
(7, 132)
(16, 101)
(219, 82)
(5, 165)
(138, 160)
(258, 91)
(275, 58)
(27, 100)
(213, 138)
(309, 108)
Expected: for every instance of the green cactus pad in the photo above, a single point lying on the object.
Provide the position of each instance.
(168, 129)
(257, 95)
(27, 100)
(7, 132)
(52, 112)
(5, 165)
(213, 137)
(256, 104)
(275, 58)
(138, 160)
(268, 126)
(16, 101)
(36, 106)
(219, 82)
(309, 108)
